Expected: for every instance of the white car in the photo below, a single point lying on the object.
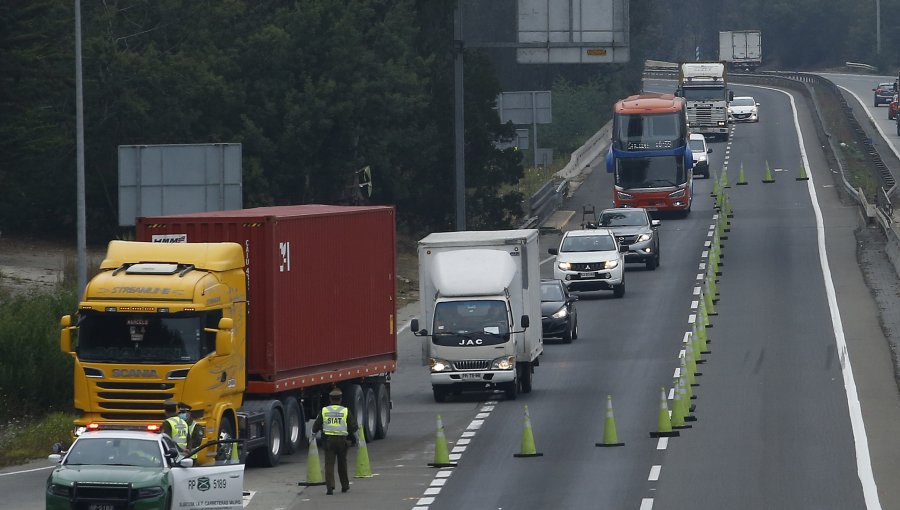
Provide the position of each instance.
(699, 150)
(590, 259)
(743, 109)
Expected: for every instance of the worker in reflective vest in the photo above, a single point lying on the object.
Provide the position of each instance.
(338, 426)
(195, 431)
(174, 425)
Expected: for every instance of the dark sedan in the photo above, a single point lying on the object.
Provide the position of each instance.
(558, 315)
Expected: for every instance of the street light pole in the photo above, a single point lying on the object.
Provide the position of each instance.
(79, 129)
(878, 27)
(459, 120)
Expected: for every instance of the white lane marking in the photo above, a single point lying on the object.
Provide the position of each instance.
(27, 471)
(687, 337)
(697, 291)
(672, 390)
(468, 433)
(464, 441)
(438, 482)
(487, 409)
(704, 254)
(663, 443)
(432, 491)
(458, 449)
(420, 507)
(700, 276)
(863, 460)
(481, 416)
(692, 319)
(443, 474)
(677, 373)
(707, 244)
(694, 305)
(475, 425)
(702, 266)
(647, 504)
(424, 501)
(455, 456)
(654, 473)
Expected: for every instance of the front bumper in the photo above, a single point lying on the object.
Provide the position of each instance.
(710, 130)
(600, 280)
(473, 378)
(554, 328)
(744, 117)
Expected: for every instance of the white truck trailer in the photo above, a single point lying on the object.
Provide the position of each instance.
(479, 294)
(704, 86)
(742, 49)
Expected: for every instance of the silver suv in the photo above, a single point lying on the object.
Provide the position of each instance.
(590, 259)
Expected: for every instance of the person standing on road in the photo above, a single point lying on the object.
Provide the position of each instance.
(194, 430)
(174, 425)
(338, 426)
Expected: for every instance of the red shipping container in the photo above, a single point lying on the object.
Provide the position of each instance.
(320, 280)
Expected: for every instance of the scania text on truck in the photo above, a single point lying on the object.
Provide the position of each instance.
(649, 154)
(704, 87)
(741, 49)
(249, 316)
(478, 293)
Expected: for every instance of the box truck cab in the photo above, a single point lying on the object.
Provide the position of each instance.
(479, 292)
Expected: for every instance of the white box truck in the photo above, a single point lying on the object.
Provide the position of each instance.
(704, 87)
(480, 299)
(742, 49)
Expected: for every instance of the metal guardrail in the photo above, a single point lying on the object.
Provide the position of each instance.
(860, 65)
(542, 204)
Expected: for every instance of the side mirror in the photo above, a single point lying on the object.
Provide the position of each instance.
(65, 334)
(54, 458)
(709, 151)
(224, 344)
(414, 326)
(553, 251)
(757, 104)
(655, 223)
(573, 298)
(623, 248)
(186, 463)
(525, 322)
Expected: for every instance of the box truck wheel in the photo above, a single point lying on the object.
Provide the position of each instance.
(383, 406)
(511, 390)
(440, 393)
(371, 420)
(355, 399)
(525, 373)
(295, 425)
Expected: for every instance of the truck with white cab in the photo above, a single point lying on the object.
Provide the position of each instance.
(704, 86)
(479, 291)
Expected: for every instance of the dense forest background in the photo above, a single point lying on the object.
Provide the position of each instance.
(317, 89)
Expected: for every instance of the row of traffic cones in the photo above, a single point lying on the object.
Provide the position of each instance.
(768, 178)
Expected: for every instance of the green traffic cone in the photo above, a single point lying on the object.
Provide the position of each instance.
(803, 176)
(664, 424)
(441, 452)
(610, 438)
(313, 466)
(363, 470)
(767, 178)
(742, 179)
(528, 449)
(725, 179)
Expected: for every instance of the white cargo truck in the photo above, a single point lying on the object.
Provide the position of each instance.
(704, 86)
(479, 294)
(742, 49)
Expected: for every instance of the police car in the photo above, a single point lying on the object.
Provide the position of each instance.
(119, 469)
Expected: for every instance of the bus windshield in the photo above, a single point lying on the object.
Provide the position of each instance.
(660, 131)
(656, 172)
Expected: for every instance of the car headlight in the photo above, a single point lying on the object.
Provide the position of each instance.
(565, 266)
(59, 490)
(623, 196)
(609, 264)
(150, 492)
(504, 363)
(439, 365)
(643, 237)
(677, 194)
(562, 312)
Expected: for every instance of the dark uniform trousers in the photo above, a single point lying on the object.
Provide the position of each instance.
(336, 446)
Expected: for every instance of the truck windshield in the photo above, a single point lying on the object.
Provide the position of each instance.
(655, 172)
(146, 338)
(475, 322)
(652, 131)
(704, 93)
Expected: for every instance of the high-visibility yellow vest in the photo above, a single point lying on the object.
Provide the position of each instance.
(334, 420)
(179, 430)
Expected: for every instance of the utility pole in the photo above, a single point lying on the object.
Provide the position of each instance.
(459, 120)
(878, 27)
(79, 129)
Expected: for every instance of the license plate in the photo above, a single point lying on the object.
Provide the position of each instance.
(101, 506)
(471, 376)
(585, 275)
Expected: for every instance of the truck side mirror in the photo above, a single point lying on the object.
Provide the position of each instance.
(414, 326)
(525, 322)
(224, 345)
(65, 334)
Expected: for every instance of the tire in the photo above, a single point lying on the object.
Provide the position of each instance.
(355, 400)
(226, 431)
(295, 425)
(575, 331)
(525, 377)
(898, 128)
(651, 263)
(567, 336)
(168, 500)
(511, 390)
(275, 442)
(370, 422)
(383, 410)
(440, 394)
(619, 290)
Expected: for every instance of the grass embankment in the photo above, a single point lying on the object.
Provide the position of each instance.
(33, 438)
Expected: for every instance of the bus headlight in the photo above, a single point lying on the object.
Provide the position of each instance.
(624, 196)
(677, 194)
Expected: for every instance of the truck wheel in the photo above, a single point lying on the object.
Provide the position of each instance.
(356, 401)
(295, 425)
(525, 377)
(511, 390)
(371, 420)
(274, 438)
(226, 431)
(383, 410)
(440, 394)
